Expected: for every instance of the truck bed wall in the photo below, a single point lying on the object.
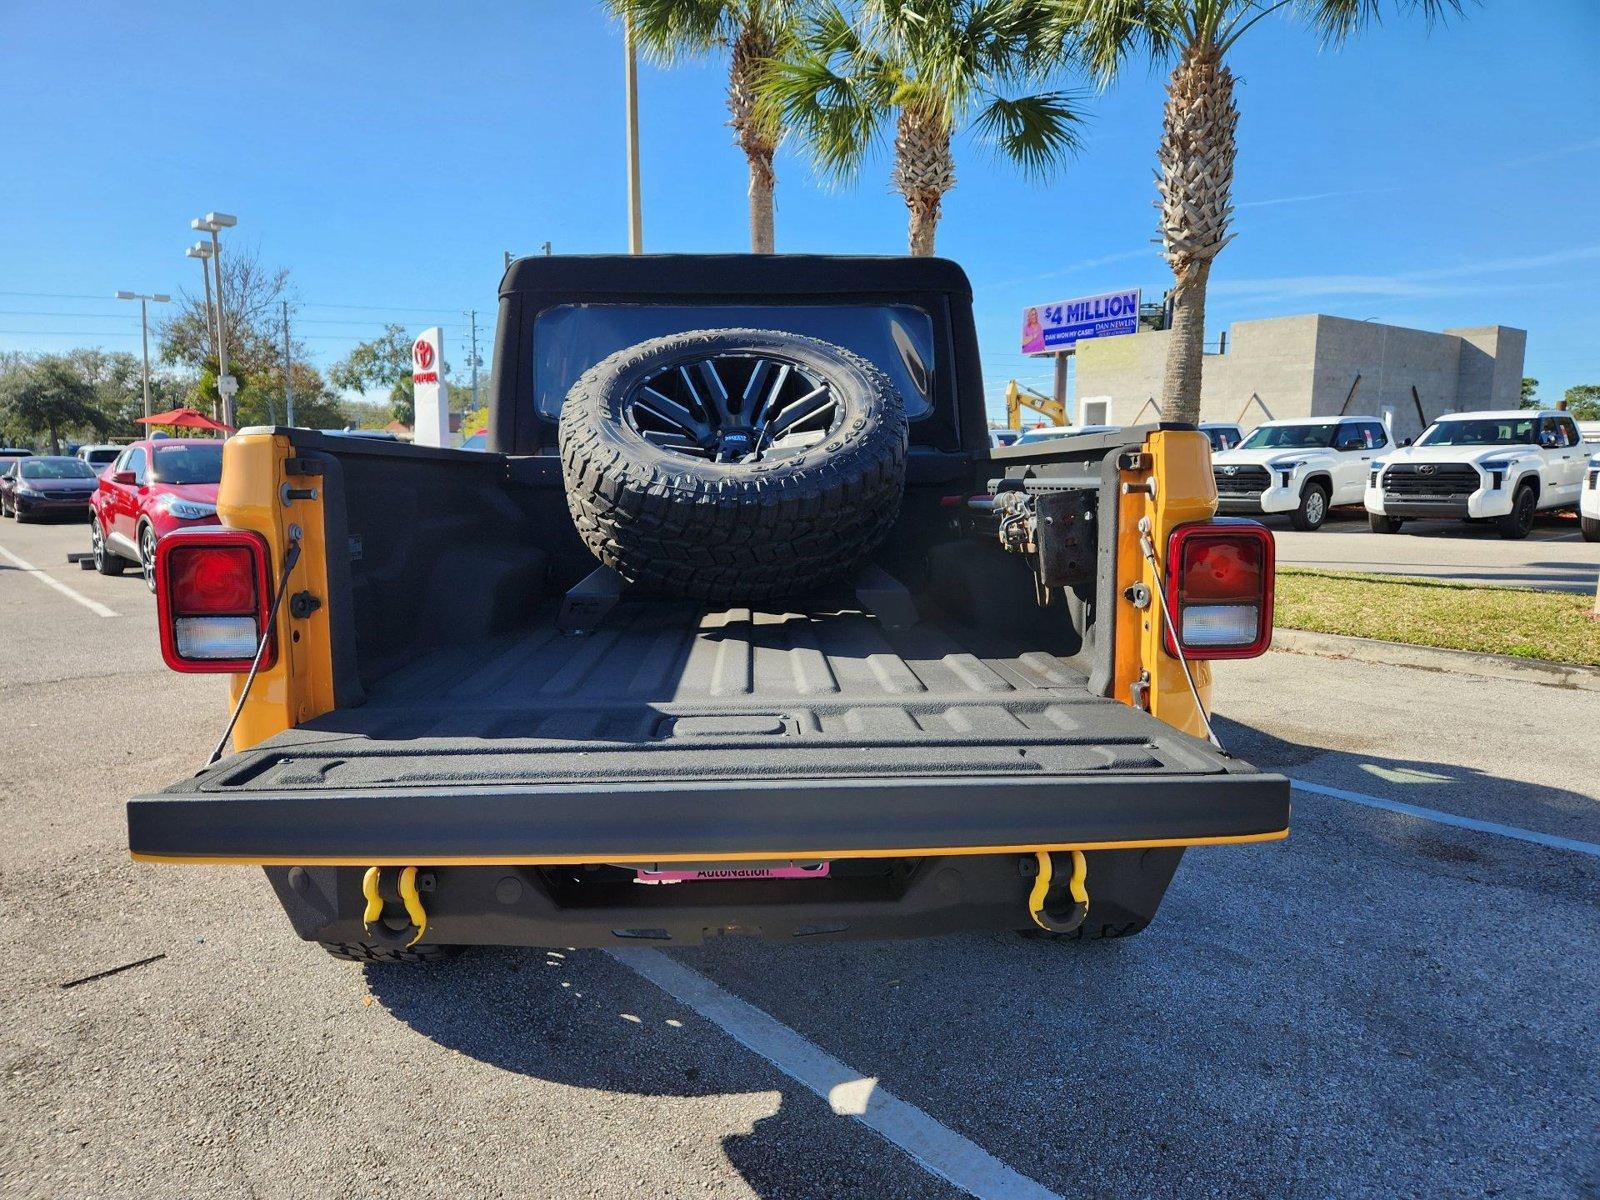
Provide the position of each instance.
(448, 547)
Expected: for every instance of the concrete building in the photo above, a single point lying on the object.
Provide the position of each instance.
(1309, 366)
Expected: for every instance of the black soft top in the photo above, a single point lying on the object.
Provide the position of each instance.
(937, 285)
(730, 275)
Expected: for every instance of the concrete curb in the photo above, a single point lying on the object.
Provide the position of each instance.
(1430, 658)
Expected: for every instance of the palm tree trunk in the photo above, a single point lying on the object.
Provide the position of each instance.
(923, 223)
(754, 136)
(763, 182)
(924, 170)
(1180, 384)
(1196, 186)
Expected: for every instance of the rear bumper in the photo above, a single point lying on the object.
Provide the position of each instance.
(527, 906)
(723, 821)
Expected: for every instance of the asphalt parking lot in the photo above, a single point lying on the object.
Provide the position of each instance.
(1553, 557)
(1387, 1004)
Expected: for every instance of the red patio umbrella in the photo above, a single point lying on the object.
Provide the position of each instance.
(185, 418)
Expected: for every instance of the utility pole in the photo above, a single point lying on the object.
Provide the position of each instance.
(144, 332)
(288, 371)
(472, 316)
(630, 81)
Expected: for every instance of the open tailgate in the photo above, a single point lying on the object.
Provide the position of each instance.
(374, 787)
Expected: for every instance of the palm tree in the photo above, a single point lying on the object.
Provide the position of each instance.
(754, 31)
(936, 66)
(1196, 157)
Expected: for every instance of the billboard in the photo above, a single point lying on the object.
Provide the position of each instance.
(1051, 328)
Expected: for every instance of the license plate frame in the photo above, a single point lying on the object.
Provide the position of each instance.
(732, 873)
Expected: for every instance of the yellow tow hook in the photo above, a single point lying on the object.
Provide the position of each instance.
(1075, 886)
(408, 896)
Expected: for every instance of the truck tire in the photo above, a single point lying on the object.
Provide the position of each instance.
(1381, 524)
(366, 952)
(1313, 509)
(1518, 523)
(1590, 527)
(728, 463)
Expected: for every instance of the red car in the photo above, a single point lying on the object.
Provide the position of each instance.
(154, 487)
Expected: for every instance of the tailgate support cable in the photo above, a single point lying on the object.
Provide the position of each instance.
(290, 558)
(1149, 551)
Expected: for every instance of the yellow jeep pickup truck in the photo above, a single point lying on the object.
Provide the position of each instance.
(740, 626)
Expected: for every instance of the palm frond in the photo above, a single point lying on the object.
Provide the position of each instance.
(833, 93)
(1338, 20)
(1038, 133)
(670, 31)
(1106, 33)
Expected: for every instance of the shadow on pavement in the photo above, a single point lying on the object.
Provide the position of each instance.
(1348, 1012)
(581, 1019)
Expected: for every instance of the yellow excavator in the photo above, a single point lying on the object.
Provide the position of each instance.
(1020, 396)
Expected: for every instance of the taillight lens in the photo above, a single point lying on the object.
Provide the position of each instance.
(212, 597)
(1219, 589)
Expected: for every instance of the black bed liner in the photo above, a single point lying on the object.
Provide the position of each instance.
(675, 730)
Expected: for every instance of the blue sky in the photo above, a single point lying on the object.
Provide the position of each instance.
(387, 154)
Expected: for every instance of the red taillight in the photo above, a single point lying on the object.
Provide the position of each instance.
(1219, 589)
(212, 597)
(213, 579)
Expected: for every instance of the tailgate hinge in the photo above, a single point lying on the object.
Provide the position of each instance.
(1139, 691)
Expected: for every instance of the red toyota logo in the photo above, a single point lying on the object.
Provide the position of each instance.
(422, 354)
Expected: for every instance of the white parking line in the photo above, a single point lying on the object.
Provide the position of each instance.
(1444, 818)
(849, 1093)
(22, 564)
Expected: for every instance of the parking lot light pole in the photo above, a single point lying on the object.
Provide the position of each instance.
(214, 223)
(144, 332)
(202, 251)
(630, 85)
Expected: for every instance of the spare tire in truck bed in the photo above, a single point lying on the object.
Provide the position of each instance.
(726, 463)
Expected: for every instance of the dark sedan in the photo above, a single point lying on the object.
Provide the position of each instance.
(47, 485)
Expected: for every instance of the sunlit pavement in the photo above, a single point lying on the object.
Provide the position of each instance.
(1381, 1006)
(1554, 556)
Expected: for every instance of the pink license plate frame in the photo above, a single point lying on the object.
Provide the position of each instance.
(723, 874)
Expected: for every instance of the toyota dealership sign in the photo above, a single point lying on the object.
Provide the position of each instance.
(425, 357)
(432, 427)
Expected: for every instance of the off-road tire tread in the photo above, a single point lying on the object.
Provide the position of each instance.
(364, 952)
(719, 535)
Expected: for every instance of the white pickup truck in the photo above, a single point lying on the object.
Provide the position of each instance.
(1301, 467)
(1589, 501)
(1501, 466)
